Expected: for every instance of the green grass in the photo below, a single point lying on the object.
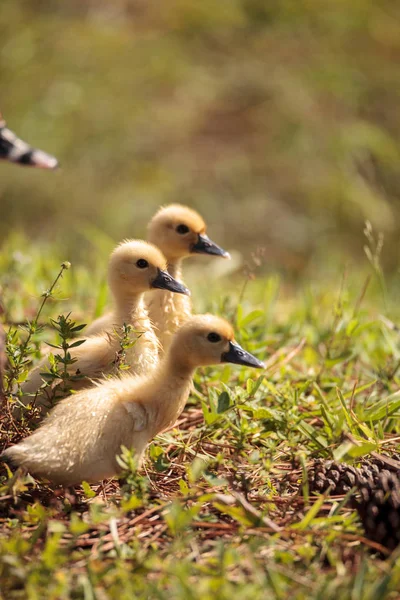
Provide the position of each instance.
(221, 508)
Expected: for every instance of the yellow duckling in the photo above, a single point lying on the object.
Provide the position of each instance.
(83, 434)
(179, 232)
(134, 267)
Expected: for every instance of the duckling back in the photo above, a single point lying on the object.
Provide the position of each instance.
(101, 324)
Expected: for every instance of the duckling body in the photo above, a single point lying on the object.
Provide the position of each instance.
(83, 434)
(98, 355)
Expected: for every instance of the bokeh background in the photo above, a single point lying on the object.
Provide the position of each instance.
(278, 120)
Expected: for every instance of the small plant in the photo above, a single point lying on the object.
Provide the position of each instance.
(19, 354)
(60, 363)
(126, 341)
(373, 251)
(133, 483)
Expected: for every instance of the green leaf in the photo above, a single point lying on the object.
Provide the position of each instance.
(254, 315)
(345, 410)
(183, 486)
(77, 526)
(383, 408)
(342, 450)
(209, 416)
(309, 431)
(77, 343)
(155, 451)
(78, 327)
(223, 402)
(89, 493)
(359, 389)
(331, 362)
(362, 450)
(54, 346)
(257, 384)
(313, 512)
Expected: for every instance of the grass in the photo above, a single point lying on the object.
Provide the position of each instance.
(221, 507)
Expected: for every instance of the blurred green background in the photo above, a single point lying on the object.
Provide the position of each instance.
(278, 120)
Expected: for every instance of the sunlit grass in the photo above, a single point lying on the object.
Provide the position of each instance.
(221, 506)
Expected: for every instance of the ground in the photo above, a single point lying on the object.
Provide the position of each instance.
(222, 506)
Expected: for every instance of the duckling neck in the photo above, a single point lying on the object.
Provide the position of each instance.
(175, 268)
(174, 365)
(128, 308)
(170, 390)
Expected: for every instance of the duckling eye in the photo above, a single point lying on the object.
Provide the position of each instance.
(213, 337)
(182, 229)
(142, 263)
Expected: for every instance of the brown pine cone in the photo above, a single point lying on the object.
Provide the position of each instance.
(378, 506)
(339, 477)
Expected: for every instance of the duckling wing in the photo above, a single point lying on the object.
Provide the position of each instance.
(138, 415)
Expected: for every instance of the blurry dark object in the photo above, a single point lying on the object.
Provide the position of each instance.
(339, 478)
(16, 150)
(377, 499)
(379, 509)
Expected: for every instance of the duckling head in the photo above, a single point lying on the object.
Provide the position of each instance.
(180, 231)
(207, 340)
(136, 266)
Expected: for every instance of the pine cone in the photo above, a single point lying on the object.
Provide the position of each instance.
(339, 477)
(378, 506)
(378, 465)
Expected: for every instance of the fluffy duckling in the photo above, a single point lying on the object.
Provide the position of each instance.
(83, 434)
(134, 267)
(16, 150)
(179, 232)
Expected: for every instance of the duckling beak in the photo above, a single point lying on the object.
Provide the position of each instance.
(238, 356)
(164, 281)
(205, 246)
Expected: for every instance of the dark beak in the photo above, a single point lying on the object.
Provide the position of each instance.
(164, 281)
(205, 246)
(238, 356)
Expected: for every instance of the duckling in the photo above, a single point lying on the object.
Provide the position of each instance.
(16, 150)
(83, 434)
(134, 267)
(179, 232)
